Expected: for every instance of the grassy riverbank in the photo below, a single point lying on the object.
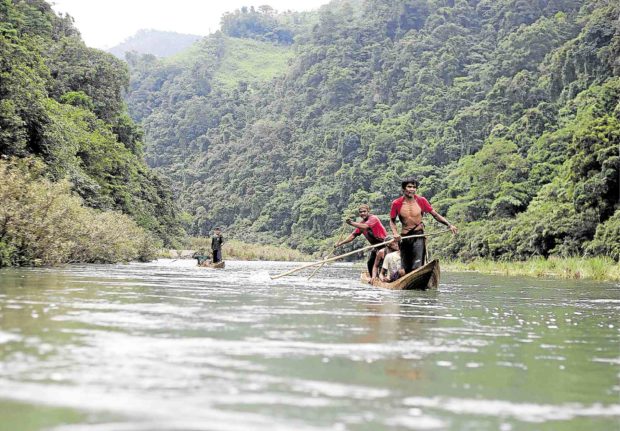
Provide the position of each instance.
(596, 268)
(238, 250)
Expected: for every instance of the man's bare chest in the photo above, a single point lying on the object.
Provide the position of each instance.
(410, 211)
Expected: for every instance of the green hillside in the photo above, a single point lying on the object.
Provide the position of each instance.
(238, 60)
(506, 110)
(251, 61)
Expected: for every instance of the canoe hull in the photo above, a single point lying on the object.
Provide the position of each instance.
(208, 264)
(424, 278)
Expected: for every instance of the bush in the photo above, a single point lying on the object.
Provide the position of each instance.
(42, 223)
(607, 238)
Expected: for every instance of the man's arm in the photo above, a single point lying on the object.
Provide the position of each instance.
(394, 229)
(345, 241)
(442, 220)
(383, 275)
(362, 226)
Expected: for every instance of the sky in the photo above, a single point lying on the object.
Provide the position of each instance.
(106, 23)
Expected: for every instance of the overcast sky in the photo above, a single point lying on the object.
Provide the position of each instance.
(105, 23)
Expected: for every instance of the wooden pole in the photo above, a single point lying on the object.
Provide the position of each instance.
(331, 252)
(332, 259)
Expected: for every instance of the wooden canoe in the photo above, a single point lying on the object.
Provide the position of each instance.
(209, 264)
(423, 278)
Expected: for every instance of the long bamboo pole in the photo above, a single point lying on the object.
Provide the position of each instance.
(331, 252)
(332, 259)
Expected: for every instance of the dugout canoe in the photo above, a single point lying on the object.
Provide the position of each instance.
(209, 264)
(424, 278)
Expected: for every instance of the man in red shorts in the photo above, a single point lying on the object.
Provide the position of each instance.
(410, 208)
(371, 227)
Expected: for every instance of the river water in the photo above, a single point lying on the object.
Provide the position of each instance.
(168, 346)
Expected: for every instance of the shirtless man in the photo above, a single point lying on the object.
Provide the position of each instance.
(371, 227)
(410, 208)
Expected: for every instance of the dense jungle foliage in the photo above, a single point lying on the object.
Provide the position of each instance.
(65, 135)
(506, 110)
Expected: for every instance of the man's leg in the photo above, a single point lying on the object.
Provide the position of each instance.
(406, 255)
(418, 252)
(371, 260)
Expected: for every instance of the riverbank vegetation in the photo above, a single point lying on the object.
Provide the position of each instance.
(596, 268)
(73, 164)
(42, 222)
(239, 250)
(507, 111)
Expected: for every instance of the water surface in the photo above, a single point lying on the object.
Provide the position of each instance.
(168, 346)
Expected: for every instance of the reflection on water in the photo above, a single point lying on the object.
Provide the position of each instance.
(168, 346)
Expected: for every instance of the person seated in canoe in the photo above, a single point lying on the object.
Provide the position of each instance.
(392, 268)
(201, 256)
(216, 245)
(372, 229)
(381, 253)
(409, 209)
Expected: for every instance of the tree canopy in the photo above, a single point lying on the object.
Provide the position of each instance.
(62, 102)
(506, 110)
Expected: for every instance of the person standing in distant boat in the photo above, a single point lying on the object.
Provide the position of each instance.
(216, 245)
(372, 229)
(410, 208)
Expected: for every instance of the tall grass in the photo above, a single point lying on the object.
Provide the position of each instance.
(234, 249)
(595, 268)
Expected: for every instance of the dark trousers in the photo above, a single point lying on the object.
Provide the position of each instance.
(371, 260)
(217, 256)
(412, 252)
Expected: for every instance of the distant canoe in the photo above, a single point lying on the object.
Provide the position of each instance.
(209, 264)
(423, 278)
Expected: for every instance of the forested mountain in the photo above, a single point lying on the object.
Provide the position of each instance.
(64, 129)
(507, 111)
(154, 42)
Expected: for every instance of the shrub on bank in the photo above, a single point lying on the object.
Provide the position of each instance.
(43, 223)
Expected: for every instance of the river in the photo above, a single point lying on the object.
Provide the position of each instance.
(169, 346)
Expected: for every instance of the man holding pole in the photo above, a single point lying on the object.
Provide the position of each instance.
(371, 227)
(410, 208)
(216, 245)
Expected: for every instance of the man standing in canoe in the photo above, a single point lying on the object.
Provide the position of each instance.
(410, 208)
(216, 245)
(371, 227)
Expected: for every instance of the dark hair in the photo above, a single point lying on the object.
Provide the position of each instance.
(409, 180)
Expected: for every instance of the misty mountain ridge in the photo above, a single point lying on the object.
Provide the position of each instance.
(156, 42)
